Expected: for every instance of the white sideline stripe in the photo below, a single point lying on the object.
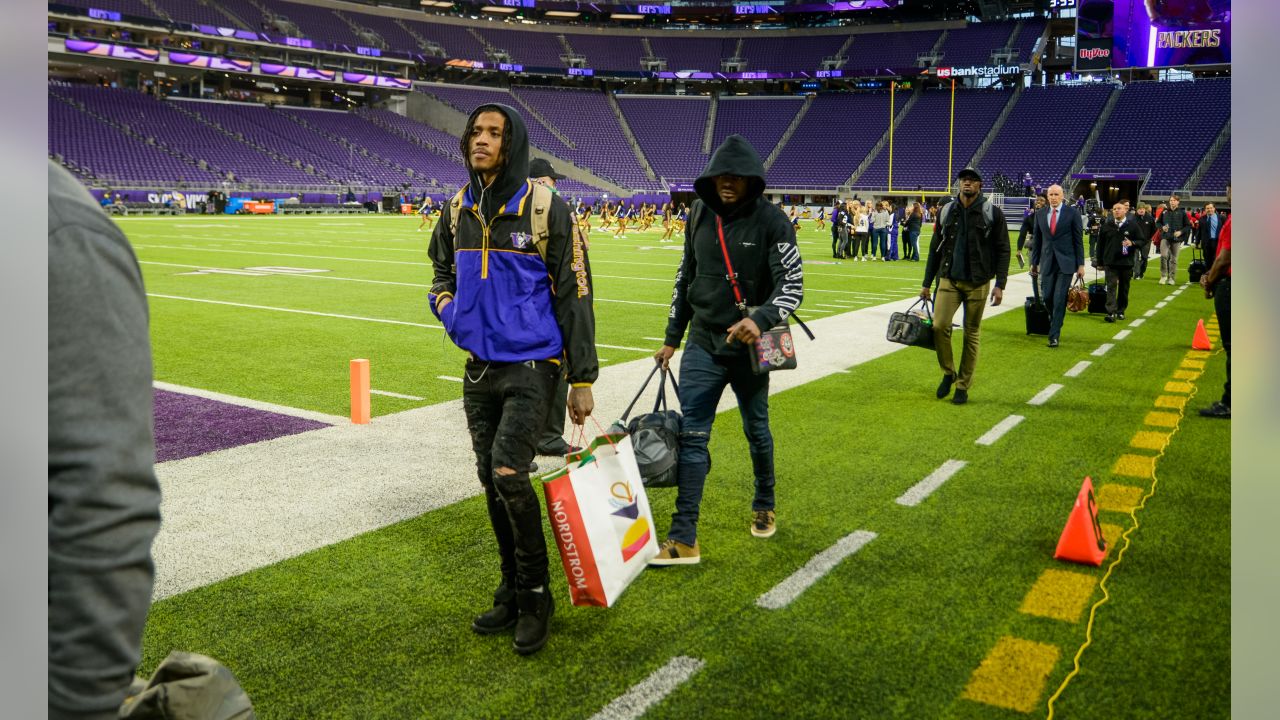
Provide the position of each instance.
(1168, 297)
(652, 690)
(300, 312)
(1000, 429)
(450, 378)
(1102, 349)
(925, 487)
(1078, 368)
(1162, 303)
(624, 347)
(789, 589)
(1122, 335)
(842, 307)
(388, 393)
(253, 404)
(1138, 322)
(1149, 313)
(661, 340)
(1043, 396)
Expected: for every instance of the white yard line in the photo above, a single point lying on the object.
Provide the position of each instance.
(254, 404)
(1043, 396)
(1122, 334)
(652, 690)
(1078, 368)
(997, 432)
(1102, 349)
(824, 562)
(1149, 313)
(299, 312)
(1138, 322)
(388, 393)
(450, 378)
(925, 487)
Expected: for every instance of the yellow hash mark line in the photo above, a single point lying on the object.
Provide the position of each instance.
(1193, 364)
(1120, 498)
(1161, 419)
(1013, 674)
(1128, 537)
(1175, 402)
(1138, 466)
(1148, 440)
(1059, 594)
(1177, 387)
(1186, 375)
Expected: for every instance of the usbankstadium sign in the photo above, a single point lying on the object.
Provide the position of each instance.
(978, 71)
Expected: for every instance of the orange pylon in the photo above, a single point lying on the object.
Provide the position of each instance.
(1081, 540)
(1201, 339)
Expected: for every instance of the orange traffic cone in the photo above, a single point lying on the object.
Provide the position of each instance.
(1201, 339)
(1082, 540)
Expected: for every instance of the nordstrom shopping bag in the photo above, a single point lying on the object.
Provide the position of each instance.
(601, 520)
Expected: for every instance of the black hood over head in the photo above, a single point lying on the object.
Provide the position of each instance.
(735, 156)
(515, 166)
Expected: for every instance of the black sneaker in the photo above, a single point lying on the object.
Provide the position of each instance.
(944, 387)
(962, 397)
(1121, 316)
(1217, 410)
(1053, 342)
(1110, 318)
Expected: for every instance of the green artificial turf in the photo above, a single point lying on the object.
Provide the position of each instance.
(377, 626)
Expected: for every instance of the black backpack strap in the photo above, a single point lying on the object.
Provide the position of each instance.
(626, 413)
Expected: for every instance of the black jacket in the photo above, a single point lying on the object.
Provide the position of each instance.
(1028, 226)
(1107, 250)
(509, 304)
(1147, 225)
(988, 246)
(1176, 220)
(762, 248)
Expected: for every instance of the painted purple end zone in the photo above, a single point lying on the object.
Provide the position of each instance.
(187, 425)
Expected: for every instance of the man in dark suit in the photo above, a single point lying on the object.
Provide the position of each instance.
(1114, 254)
(1207, 233)
(1146, 223)
(1057, 250)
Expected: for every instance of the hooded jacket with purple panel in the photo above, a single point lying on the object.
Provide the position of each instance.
(509, 304)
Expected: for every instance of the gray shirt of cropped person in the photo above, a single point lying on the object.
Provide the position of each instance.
(104, 499)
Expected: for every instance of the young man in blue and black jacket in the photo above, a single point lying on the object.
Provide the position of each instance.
(521, 308)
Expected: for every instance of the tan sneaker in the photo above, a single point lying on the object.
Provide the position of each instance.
(672, 552)
(762, 523)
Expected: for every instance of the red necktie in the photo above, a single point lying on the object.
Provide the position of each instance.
(1053, 222)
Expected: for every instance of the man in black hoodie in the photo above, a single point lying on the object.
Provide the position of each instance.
(521, 306)
(759, 242)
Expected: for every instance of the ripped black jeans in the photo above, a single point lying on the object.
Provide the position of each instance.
(506, 405)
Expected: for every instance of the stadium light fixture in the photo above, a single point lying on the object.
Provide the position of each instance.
(626, 16)
(498, 9)
(562, 14)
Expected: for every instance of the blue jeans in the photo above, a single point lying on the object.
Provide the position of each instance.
(703, 377)
(880, 239)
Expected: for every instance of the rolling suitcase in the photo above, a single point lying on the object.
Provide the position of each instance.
(1197, 267)
(1036, 311)
(1097, 297)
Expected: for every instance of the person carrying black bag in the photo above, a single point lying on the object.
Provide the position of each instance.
(970, 246)
(766, 260)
